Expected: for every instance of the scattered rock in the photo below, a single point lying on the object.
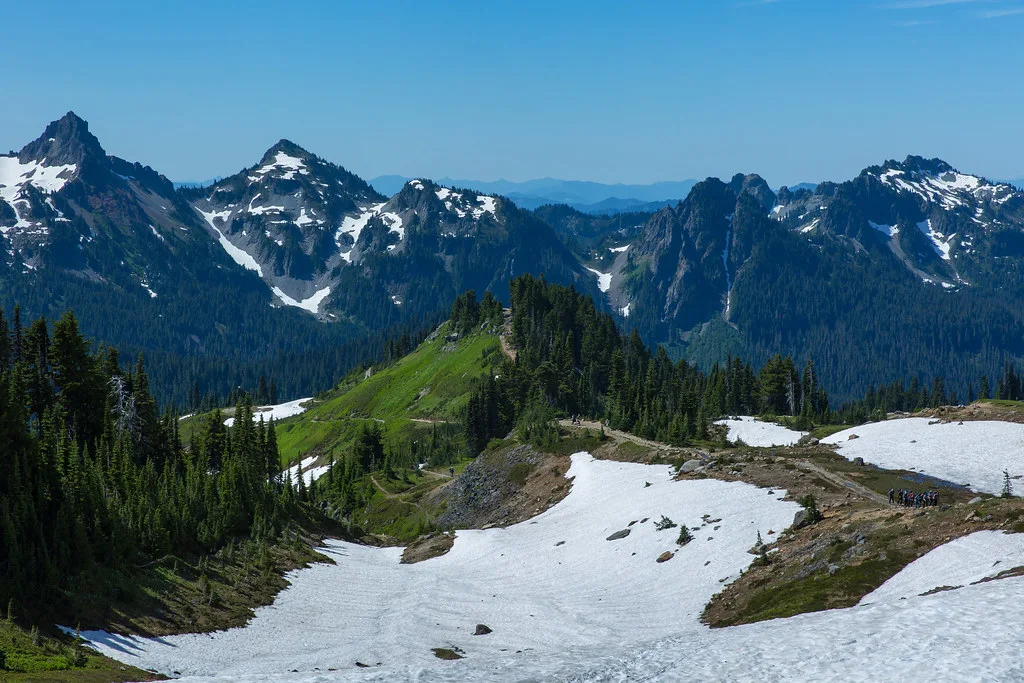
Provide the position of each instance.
(481, 630)
(666, 556)
(813, 441)
(799, 519)
(970, 517)
(631, 523)
(446, 653)
(618, 534)
(560, 543)
(832, 569)
(974, 501)
(690, 466)
(858, 461)
(852, 437)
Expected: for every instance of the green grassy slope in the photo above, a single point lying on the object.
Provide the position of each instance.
(432, 383)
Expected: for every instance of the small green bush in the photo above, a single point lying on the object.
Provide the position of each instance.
(664, 523)
(519, 472)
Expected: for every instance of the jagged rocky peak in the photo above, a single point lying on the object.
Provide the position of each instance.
(452, 203)
(755, 186)
(66, 141)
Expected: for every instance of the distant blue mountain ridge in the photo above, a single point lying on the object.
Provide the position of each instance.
(582, 195)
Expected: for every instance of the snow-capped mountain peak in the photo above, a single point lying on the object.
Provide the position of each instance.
(936, 182)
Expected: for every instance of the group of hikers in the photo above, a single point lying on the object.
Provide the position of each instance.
(577, 420)
(913, 499)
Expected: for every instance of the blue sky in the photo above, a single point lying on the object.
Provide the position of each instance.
(610, 91)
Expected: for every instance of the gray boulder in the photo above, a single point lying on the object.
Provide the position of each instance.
(690, 466)
(618, 534)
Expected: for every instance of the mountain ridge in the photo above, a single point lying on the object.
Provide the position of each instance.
(733, 266)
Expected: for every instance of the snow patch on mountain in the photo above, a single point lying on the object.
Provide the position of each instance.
(939, 241)
(488, 205)
(604, 280)
(353, 225)
(15, 176)
(947, 188)
(394, 223)
(291, 165)
(309, 473)
(887, 230)
(619, 250)
(312, 304)
(239, 256)
(277, 412)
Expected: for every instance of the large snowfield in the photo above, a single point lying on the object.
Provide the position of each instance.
(754, 432)
(566, 604)
(969, 453)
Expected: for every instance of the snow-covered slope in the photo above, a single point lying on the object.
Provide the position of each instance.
(969, 453)
(962, 562)
(15, 179)
(286, 219)
(320, 627)
(754, 432)
(548, 586)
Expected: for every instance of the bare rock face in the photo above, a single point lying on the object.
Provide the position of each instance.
(690, 466)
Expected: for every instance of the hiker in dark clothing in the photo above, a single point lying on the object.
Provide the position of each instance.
(892, 496)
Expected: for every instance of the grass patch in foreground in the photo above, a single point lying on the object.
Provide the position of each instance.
(825, 431)
(34, 656)
(820, 591)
